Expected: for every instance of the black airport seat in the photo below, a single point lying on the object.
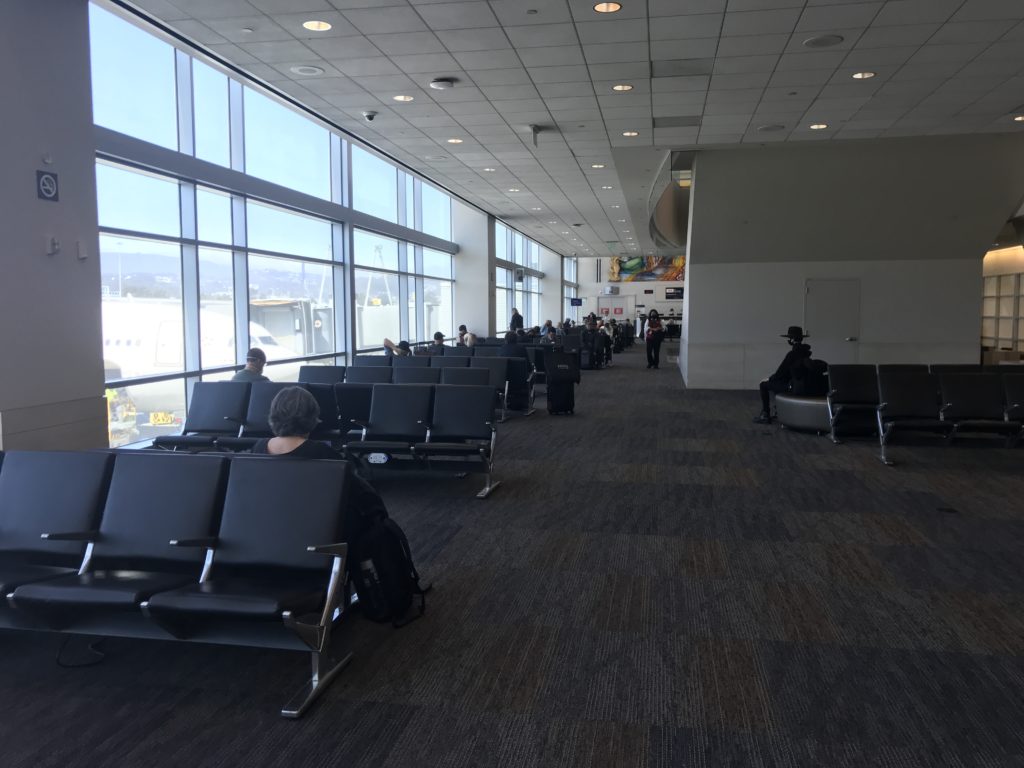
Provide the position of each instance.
(486, 351)
(321, 374)
(368, 374)
(44, 492)
(460, 351)
(399, 417)
(537, 361)
(257, 416)
(520, 393)
(891, 367)
(416, 375)
(465, 376)
(153, 498)
(497, 368)
(908, 399)
(975, 402)
(449, 361)
(353, 406)
(277, 565)
(384, 360)
(1013, 389)
(329, 427)
(217, 409)
(462, 431)
(853, 393)
(410, 361)
(942, 368)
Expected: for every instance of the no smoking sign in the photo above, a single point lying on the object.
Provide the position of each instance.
(47, 187)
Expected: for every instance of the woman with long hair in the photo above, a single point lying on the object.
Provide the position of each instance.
(654, 336)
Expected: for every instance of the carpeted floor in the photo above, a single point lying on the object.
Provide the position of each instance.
(657, 582)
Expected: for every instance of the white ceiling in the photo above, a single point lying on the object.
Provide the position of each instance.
(713, 71)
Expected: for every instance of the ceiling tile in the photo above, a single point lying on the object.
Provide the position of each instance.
(407, 43)
(887, 37)
(738, 64)
(984, 10)
(683, 49)
(629, 30)
(970, 32)
(434, 63)
(340, 26)
(383, 21)
(343, 48)
(474, 39)
(752, 45)
(495, 59)
(375, 65)
(262, 29)
(556, 56)
(273, 52)
(622, 72)
(558, 74)
(221, 9)
(745, 80)
(760, 22)
(198, 31)
(457, 15)
(684, 27)
(514, 12)
(542, 35)
(516, 76)
(831, 17)
(680, 7)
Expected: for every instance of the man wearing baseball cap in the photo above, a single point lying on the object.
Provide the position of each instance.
(255, 359)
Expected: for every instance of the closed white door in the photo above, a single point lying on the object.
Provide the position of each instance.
(832, 319)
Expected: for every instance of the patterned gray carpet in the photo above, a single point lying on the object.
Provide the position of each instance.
(657, 582)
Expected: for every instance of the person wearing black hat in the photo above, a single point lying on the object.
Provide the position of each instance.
(401, 349)
(255, 359)
(782, 379)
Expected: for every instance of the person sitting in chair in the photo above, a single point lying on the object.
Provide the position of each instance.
(294, 414)
(782, 379)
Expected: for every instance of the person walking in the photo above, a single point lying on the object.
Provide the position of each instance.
(654, 336)
(516, 323)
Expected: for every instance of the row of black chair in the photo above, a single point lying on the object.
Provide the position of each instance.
(248, 551)
(945, 399)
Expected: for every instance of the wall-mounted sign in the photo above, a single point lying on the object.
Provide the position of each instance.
(618, 310)
(47, 187)
(649, 290)
(575, 302)
(673, 293)
(604, 310)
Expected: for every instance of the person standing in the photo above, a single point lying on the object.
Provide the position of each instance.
(255, 359)
(655, 334)
(516, 323)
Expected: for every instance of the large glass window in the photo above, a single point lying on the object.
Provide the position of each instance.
(437, 263)
(285, 147)
(437, 307)
(213, 216)
(291, 307)
(374, 251)
(210, 114)
(216, 308)
(141, 202)
(282, 231)
(437, 212)
(374, 185)
(377, 308)
(133, 80)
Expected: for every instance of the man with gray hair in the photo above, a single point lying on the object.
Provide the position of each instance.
(294, 414)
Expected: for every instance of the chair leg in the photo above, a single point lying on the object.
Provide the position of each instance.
(951, 435)
(323, 673)
(484, 492)
(884, 433)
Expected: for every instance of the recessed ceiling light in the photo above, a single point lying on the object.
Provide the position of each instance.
(606, 187)
(621, 87)
(1019, 119)
(607, 7)
(403, 98)
(630, 134)
(316, 26)
(598, 166)
(513, 189)
(306, 69)
(626, 231)
(454, 141)
(616, 206)
(552, 222)
(862, 75)
(823, 41)
(536, 209)
(442, 83)
(622, 221)
(818, 126)
(489, 170)
(565, 233)
(247, 30)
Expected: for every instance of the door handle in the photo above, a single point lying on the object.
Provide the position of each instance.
(851, 338)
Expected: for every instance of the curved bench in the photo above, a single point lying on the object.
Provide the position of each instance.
(806, 413)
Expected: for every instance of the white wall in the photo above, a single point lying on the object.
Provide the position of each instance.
(632, 292)
(911, 218)
(911, 311)
(551, 287)
(473, 268)
(51, 382)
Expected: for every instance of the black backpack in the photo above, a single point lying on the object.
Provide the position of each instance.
(810, 378)
(384, 576)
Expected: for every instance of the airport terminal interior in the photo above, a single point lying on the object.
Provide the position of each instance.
(628, 565)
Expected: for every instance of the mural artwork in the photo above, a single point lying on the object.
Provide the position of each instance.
(627, 269)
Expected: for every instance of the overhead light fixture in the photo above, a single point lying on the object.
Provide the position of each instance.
(403, 98)
(625, 231)
(862, 75)
(489, 170)
(616, 206)
(536, 209)
(823, 41)
(1019, 119)
(606, 187)
(442, 83)
(630, 134)
(622, 221)
(307, 70)
(608, 7)
(622, 87)
(513, 189)
(316, 26)
(552, 222)
(597, 166)
(818, 126)
(771, 128)
(454, 141)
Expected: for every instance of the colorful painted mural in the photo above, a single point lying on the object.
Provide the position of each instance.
(627, 269)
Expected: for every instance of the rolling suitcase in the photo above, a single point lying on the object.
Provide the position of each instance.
(561, 397)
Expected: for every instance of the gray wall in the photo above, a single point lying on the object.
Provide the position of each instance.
(51, 382)
(911, 218)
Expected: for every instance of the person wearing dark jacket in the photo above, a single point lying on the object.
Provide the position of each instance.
(654, 335)
(516, 323)
(782, 379)
(512, 347)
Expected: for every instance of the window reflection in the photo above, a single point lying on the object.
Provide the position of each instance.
(374, 185)
(377, 308)
(370, 250)
(143, 202)
(437, 212)
(216, 308)
(213, 216)
(291, 306)
(275, 229)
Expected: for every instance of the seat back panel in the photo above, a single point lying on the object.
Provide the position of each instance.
(908, 394)
(463, 413)
(217, 407)
(321, 374)
(369, 374)
(972, 396)
(397, 410)
(470, 376)
(853, 384)
(416, 375)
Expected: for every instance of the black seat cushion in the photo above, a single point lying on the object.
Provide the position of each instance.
(102, 589)
(241, 597)
(184, 441)
(472, 448)
(379, 446)
(13, 575)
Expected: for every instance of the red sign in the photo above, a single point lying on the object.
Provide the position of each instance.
(604, 310)
(618, 310)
